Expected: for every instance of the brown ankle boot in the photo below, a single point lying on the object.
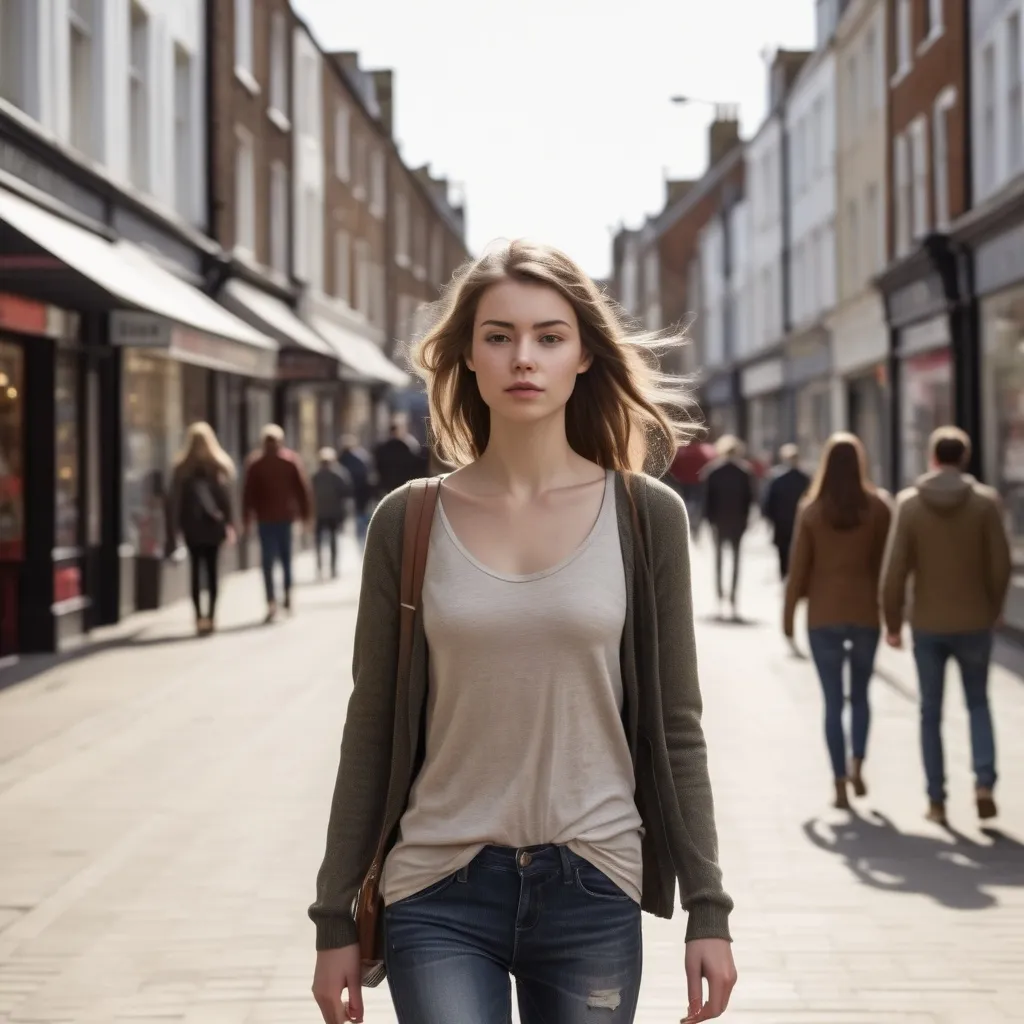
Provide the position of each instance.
(986, 803)
(842, 801)
(936, 812)
(856, 778)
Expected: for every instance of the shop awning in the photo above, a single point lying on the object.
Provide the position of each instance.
(70, 266)
(364, 360)
(274, 316)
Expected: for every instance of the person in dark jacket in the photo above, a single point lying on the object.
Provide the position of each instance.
(276, 495)
(199, 509)
(730, 491)
(786, 485)
(399, 459)
(358, 463)
(332, 490)
(685, 471)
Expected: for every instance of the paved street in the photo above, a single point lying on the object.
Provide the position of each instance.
(163, 804)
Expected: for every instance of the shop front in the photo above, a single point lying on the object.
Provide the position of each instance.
(808, 370)
(997, 239)
(721, 394)
(761, 384)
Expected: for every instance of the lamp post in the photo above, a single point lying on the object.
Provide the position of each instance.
(723, 111)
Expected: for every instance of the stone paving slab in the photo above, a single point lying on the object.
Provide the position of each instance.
(163, 805)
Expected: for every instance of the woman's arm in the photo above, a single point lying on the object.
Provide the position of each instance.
(360, 792)
(700, 878)
(800, 562)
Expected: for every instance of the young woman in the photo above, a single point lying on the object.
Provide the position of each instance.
(836, 564)
(200, 509)
(543, 776)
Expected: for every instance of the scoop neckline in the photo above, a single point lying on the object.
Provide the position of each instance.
(543, 573)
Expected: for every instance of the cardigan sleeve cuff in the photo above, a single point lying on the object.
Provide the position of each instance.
(707, 920)
(335, 932)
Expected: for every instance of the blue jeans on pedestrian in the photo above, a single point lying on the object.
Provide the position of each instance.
(543, 915)
(276, 546)
(831, 648)
(972, 652)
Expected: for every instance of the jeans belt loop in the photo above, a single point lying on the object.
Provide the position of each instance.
(563, 856)
(462, 875)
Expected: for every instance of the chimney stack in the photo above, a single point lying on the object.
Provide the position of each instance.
(384, 82)
(724, 134)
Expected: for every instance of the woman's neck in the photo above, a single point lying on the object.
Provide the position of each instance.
(528, 459)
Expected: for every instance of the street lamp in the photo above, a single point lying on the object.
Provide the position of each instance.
(723, 111)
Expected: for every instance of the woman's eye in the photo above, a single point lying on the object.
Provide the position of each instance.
(497, 338)
(550, 339)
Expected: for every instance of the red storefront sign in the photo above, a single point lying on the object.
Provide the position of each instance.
(22, 315)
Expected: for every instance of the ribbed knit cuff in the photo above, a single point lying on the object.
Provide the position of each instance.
(335, 932)
(708, 920)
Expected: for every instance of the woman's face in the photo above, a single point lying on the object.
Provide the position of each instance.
(526, 351)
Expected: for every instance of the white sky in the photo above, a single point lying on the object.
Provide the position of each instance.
(554, 114)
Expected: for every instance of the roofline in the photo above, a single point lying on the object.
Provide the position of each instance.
(711, 178)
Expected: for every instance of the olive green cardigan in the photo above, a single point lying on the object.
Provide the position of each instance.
(381, 746)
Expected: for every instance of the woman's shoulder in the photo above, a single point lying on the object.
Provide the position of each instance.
(662, 503)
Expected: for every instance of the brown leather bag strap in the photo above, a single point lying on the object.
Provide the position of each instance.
(419, 517)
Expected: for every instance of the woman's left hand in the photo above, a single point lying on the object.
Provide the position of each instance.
(711, 959)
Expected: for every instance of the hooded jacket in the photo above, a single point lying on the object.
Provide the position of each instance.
(949, 538)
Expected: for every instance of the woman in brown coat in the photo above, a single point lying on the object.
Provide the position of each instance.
(836, 563)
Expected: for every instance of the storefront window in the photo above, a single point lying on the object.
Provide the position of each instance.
(68, 479)
(813, 420)
(153, 429)
(926, 394)
(195, 394)
(868, 405)
(259, 412)
(308, 436)
(12, 441)
(765, 428)
(1003, 327)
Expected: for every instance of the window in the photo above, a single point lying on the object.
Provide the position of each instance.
(902, 191)
(437, 256)
(940, 156)
(401, 229)
(184, 169)
(342, 142)
(81, 80)
(903, 37)
(313, 235)
(871, 75)
(874, 255)
(363, 277)
(378, 313)
(853, 92)
(360, 172)
(245, 192)
(988, 118)
(919, 166)
(854, 246)
(279, 217)
(343, 266)
(244, 36)
(1015, 107)
(138, 97)
(418, 256)
(12, 33)
(378, 183)
(279, 63)
(932, 19)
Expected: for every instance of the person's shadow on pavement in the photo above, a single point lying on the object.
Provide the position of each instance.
(956, 874)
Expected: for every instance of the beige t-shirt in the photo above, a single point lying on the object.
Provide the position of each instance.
(525, 740)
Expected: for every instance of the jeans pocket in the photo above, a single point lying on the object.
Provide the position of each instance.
(593, 882)
(434, 889)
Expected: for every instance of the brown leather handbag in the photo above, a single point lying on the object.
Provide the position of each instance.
(419, 515)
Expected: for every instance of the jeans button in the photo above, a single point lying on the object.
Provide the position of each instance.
(525, 859)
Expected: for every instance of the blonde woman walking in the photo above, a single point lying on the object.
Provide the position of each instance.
(540, 776)
(836, 564)
(200, 510)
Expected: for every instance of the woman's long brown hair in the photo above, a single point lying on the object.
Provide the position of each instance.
(618, 415)
(841, 484)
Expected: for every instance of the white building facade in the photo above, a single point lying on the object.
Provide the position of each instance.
(120, 83)
(309, 167)
(860, 337)
(810, 119)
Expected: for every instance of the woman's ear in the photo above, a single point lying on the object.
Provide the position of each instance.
(586, 362)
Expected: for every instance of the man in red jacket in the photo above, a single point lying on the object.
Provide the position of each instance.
(276, 495)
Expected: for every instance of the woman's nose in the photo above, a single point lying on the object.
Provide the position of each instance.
(523, 356)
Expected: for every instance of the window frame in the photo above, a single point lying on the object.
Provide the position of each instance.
(944, 103)
(184, 153)
(343, 260)
(920, 173)
(343, 141)
(278, 106)
(245, 42)
(245, 191)
(904, 41)
(140, 171)
(277, 227)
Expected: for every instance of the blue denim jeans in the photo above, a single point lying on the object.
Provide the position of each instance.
(972, 652)
(567, 934)
(276, 545)
(831, 648)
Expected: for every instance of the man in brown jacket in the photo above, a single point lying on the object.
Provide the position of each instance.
(949, 536)
(276, 494)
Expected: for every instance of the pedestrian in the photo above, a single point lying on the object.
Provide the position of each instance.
(837, 562)
(332, 491)
(399, 459)
(730, 492)
(358, 463)
(949, 537)
(685, 470)
(559, 782)
(199, 508)
(786, 485)
(277, 495)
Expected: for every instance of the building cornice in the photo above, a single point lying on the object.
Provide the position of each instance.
(993, 216)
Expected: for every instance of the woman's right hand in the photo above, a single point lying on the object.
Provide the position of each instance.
(336, 971)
